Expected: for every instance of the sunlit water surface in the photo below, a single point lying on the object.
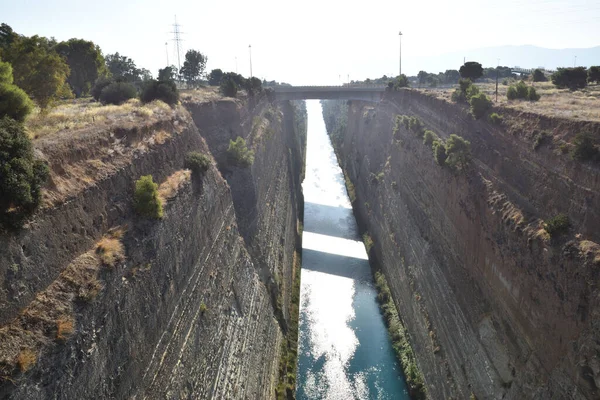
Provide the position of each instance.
(344, 349)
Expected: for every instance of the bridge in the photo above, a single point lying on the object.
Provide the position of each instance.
(347, 92)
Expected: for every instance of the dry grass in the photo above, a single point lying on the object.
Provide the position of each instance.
(110, 250)
(65, 327)
(81, 113)
(26, 359)
(201, 95)
(169, 188)
(581, 104)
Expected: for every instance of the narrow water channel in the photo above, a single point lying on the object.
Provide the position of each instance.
(344, 350)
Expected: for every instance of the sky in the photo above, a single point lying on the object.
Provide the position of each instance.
(310, 41)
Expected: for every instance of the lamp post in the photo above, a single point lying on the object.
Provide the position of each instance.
(167, 51)
(236, 70)
(575, 62)
(250, 51)
(400, 63)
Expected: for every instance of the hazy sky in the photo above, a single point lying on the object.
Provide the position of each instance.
(308, 41)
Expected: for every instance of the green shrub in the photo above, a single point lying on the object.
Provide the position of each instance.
(117, 93)
(228, 87)
(160, 90)
(583, 148)
(572, 78)
(538, 76)
(146, 200)
(511, 93)
(480, 104)
(197, 162)
(557, 225)
(239, 154)
(415, 125)
(100, 84)
(594, 74)
(439, 152)
(458, 151)
(21, 175)
(368, 241)
(429, 137)
(14, 102)
(401, 82)
(6, 73)
(495, 119)
(532, 94)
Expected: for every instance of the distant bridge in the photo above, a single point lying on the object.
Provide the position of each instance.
(530, 70)
(348, 92)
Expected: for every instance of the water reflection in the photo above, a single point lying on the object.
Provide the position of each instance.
(344, 351)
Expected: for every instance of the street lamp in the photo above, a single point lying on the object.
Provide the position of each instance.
(400, 64)
(250, 51)
(167, 51)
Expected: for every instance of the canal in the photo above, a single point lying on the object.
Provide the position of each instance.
(344, 351)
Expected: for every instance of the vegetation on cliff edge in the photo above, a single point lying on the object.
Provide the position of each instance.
(400, 339)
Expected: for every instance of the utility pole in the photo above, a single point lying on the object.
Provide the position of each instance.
(400, 62)
(575, 62)
(167, 51)
(497, 71)
(250, 50)
(177, 39)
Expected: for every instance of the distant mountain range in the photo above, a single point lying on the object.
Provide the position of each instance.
(512, 56)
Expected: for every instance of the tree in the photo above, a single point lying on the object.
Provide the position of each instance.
(193, 67)
(228, 87)
(100, 84)
(471, 70)
(122, 68)
(14, 102)
(167, 74)
(451, 76)
(594, 74)
(145, 75)
(422, 77)
(7, 37)
(401, 82)
(86, 63)
(21, 175)
(584, 149)
(215, 76)
(480, 104)
(538, 76)
(458, 151)
(572, 78)
(38, 70)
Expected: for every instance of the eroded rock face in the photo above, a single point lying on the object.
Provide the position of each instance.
(493, 307)
(194, 310)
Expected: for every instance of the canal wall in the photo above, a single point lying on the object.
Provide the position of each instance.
(98, 302)
(495, 307)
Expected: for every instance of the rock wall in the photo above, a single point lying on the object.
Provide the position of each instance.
(190, 311)
(494, 307)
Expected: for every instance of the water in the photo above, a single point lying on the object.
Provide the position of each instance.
(344, 350)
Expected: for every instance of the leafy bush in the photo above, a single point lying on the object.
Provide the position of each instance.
(239, 154)
(160, 90)
(146, 200)
(429, 137)
(557, 225)
(228, 87)
(197, 162)
(117, 93)
(496, 119)
(594, 74)
(439, 152)
(6, 73)
(415, 125)
(14, 102)
(583, 148)
(458, 151)
(401, 82)
(21, 175)
(572, 78)
(100, 84)
(538, 76)
(532, 94)
(511, 93)
(465, 91)
(480, 104)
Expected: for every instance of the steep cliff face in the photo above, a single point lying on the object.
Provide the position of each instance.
(187, 311)
(494, 307)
